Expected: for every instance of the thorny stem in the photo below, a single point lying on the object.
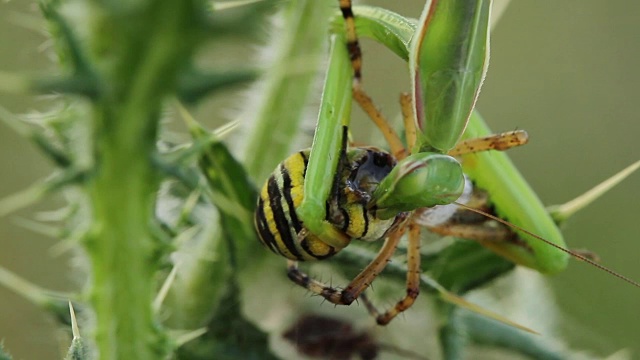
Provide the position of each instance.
(138, 62)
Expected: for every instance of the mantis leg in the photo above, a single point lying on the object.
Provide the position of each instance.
(466, 224)
(500, 142)
(477, 232)
(409, 120)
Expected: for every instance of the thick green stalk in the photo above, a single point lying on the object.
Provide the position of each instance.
(138, 52)
(121, 245)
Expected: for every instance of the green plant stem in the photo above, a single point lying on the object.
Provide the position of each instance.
(138, 52)
(122, 247)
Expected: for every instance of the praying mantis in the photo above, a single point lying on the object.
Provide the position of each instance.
(315, 203)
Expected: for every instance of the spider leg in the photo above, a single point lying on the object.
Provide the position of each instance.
(366, 103)
(359, 284)
(413, 280)
(361, 97)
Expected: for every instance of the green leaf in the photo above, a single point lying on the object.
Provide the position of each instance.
(227, 177)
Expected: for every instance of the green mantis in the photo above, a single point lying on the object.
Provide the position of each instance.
(316, 202)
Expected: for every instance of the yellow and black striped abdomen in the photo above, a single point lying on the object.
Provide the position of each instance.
(278, 224)
(276, 220)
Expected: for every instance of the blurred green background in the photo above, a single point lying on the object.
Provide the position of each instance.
(567, 72)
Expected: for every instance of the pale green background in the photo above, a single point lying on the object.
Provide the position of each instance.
(566, 71)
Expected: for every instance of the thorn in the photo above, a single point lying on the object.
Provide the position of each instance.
(38, 227)
(21, 128)
(38, 191)
(74, 322)
(233, 4)
(164, 290)
(20, 286)
(188, 336)
(197, 131)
